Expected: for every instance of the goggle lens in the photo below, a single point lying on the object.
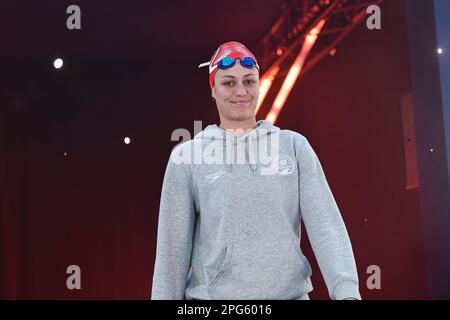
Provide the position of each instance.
(227, 62)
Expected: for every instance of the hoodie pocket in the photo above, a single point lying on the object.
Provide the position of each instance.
(261, 270)
(216, 269)
(303, 260)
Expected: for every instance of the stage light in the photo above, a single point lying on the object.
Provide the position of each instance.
(127, 140)
(58, 63)
(440, 51)
(279, 52)
(65, 154)
(333, 52)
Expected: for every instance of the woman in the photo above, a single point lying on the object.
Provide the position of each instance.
(230, 230)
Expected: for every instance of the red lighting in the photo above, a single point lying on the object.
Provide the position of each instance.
(294, 72)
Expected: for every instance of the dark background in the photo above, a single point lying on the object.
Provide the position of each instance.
(132, 71)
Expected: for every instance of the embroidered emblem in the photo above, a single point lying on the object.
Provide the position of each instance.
(286, 164)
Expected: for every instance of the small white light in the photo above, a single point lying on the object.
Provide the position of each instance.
(127, 140)
(58, 63)
(432, 150)
(440, 51)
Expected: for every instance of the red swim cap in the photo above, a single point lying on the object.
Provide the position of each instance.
(232, 49)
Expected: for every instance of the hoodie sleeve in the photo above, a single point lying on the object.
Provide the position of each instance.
(175, 233)
(325, 227)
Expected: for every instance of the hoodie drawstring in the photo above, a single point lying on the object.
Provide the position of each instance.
(254, 167)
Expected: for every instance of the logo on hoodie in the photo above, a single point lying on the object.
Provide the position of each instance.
(214, 176)
(285, 164)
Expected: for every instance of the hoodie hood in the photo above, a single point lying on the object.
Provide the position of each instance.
(230, 142)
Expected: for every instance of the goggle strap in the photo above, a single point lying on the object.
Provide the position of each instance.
(204, 64)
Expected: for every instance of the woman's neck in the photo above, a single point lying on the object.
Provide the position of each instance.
(239, 125)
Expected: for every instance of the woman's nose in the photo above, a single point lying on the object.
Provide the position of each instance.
(240, 90)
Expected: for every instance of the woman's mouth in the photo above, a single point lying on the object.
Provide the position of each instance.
(241, 103)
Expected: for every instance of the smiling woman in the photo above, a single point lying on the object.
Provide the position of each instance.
(230, 231)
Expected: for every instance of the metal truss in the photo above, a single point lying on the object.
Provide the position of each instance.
(280, 45)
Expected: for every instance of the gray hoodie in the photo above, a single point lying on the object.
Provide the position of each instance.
(231, 230)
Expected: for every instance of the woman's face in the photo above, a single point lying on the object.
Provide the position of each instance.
(236, 91)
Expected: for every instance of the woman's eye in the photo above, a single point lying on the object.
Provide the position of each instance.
(229, 83)
(250, 82)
